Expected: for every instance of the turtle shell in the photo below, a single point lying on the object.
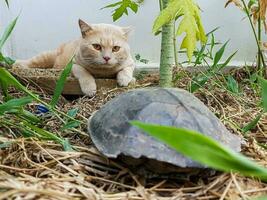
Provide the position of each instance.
(114, 136)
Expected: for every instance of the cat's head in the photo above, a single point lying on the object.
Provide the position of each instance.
(104, 44)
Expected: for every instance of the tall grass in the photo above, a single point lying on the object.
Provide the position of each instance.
(13, 112)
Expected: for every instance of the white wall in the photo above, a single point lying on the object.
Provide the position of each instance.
(44, 24)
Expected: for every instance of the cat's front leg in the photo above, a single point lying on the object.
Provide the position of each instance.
(125, 76)
(86, 80)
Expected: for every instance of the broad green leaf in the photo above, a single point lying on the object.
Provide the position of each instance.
(122, 7)
(204, 150)
(190, 24)
(263, 84)
(7, 33)
(232, 84)
(14, 103)
(251, 124)
(73, 112)
(60, 84)
(70, 123)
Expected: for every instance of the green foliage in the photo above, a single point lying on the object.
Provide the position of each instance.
(140, 59)
(232, 84)
(7, 33)
(200, 80)
(12, 112)
(190, 24)
(71, 123)
(206, 55)
(60, 83)
(263, 84)
(121, 7)
(7, 3)
(204, 150)
(254, 122)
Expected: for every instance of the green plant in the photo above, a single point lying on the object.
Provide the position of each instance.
(14, 115)
(204, 150)
(171, 10)
(141, 59)
(255, 11)
(206, 56)
(254, 122)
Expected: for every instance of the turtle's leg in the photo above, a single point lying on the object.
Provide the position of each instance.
(86, 80)
(125, 76)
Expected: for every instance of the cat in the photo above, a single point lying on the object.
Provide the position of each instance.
(101, 51)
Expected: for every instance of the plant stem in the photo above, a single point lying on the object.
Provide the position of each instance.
(259, 64)
(160, 5)
(166, 57)
(174, 44)
(254, 33)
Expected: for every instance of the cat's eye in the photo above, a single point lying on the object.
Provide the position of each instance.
(97, 47)
(115, 48)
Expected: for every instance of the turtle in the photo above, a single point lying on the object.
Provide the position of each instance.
(115, 137)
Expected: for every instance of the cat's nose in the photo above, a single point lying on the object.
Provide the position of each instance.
(106, 58)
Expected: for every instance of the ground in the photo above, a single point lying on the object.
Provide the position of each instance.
(34, 169)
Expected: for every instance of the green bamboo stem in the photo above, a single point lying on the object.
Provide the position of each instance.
(166, 58)
(174, 44)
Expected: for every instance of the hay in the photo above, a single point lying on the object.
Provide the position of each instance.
(33, 169)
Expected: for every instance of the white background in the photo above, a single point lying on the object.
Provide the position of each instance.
(44, 24)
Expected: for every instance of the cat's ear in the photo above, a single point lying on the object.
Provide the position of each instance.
(126, 31)
(85, 28)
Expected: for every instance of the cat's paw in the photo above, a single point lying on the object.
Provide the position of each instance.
(124, 81)
(89, 90)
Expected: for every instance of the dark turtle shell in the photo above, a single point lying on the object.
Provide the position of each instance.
(112, 134)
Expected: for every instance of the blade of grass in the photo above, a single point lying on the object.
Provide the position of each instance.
(14, 103)
(7, 33)
(60, 83)
(204, 150)
(263, 84)
(252, 124)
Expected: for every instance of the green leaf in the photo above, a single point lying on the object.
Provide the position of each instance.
(263, 84)
(70, 124)
(7, 3)
(204, 150)
(8, 80)
(222, 65)
(7, 33)
(122, 7)
(14, 103)
(232, 84)
(73, 112)
(67, 146)
(251, 124)
(190, 24)
(60, 83)
(198, 82)
(219, 55)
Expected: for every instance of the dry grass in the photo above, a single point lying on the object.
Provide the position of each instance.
(32, 169)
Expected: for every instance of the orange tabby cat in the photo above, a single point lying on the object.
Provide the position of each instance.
(102, 51)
